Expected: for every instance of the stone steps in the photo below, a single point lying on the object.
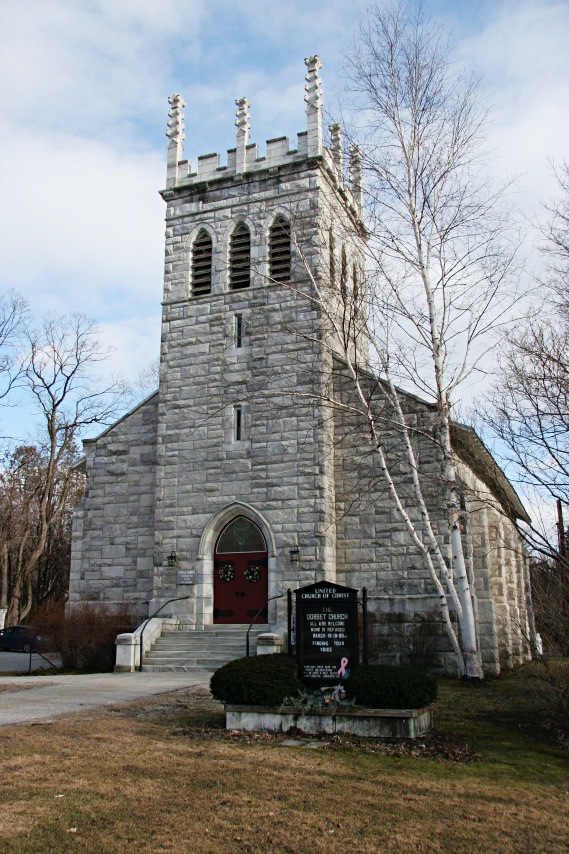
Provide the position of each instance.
(206, 649)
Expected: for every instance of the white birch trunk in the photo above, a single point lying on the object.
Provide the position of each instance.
(467, 622)
(467, 658)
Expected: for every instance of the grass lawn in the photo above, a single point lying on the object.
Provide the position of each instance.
(161, 775)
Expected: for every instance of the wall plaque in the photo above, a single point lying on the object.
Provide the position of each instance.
(326, 633)
(186, 576)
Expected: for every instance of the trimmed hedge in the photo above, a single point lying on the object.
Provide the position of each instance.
(261, 680)
(380, 686)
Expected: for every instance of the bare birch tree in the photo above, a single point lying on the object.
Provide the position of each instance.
(441, 253)
(438, 280)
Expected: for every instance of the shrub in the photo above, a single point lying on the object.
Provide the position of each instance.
(383, 687)
(261, 680)
(427, 640)
(550, 597)
(85, 636)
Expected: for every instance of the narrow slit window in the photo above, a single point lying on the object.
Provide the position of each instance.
(240, 258)
(237, 423)
(355, 284)
(343, 274)
(201, 264)
(279, 250)
(332, 247)
(238, 330)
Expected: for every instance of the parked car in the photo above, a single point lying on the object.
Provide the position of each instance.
(20, 639)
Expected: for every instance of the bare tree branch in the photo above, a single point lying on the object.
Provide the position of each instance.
(13, 311)
(62, 358)
(529, 407)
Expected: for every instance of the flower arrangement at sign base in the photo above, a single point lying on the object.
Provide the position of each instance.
(329, 698)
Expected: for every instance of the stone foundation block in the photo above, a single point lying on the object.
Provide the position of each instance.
(370, 723)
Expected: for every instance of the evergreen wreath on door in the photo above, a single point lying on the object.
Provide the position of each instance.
(226, 572)
(253, 572)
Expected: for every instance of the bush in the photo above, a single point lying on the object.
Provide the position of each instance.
(383, 687)
(85, 637)
(550, 597)
(261, 680)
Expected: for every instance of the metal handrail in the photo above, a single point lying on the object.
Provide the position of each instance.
(262, 608)
(30, 653)
(151, 617)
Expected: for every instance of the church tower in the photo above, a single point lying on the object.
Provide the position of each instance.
(245, 497)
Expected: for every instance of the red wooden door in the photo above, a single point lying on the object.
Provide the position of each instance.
(240, 574)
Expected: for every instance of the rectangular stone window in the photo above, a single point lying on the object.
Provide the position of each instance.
(238, 331)
(237, 423)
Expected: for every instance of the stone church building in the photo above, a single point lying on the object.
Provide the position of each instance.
(239, 478)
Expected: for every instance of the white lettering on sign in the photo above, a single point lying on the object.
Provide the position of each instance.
(326, 630)
(320, 671)
(326, 593)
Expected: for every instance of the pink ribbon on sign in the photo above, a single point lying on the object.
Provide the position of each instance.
(343, 665)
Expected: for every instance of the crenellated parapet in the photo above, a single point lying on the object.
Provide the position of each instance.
(244, 158)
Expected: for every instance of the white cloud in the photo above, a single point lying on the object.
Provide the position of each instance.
(82, 65)
(84, 219)
(521, 50)
(83, 89)
(134, 343)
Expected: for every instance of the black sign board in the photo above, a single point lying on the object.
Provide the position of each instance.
(326, 633)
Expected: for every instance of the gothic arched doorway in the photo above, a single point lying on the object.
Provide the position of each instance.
(240, 574)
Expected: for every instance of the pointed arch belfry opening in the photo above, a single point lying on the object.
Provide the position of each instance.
(202, 250)
(238, 535)
(279, 250)
(240, 257)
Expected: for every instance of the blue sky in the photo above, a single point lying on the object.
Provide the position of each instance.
(83, 93)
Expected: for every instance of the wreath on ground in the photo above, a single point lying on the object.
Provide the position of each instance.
(253, 572)
(226, 572)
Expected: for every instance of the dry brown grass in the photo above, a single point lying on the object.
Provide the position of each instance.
(132, 779)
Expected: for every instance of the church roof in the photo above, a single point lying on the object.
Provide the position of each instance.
(472, 450)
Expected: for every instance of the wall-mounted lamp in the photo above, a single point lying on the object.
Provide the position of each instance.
(172, 559)
(295, 554)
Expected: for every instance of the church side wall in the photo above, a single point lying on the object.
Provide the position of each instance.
(375, 550)
(374, 547)
(480, 550)
(501, 579)
(113, 528)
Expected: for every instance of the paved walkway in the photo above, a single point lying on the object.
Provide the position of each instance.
(36, 698)
(23, 662)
